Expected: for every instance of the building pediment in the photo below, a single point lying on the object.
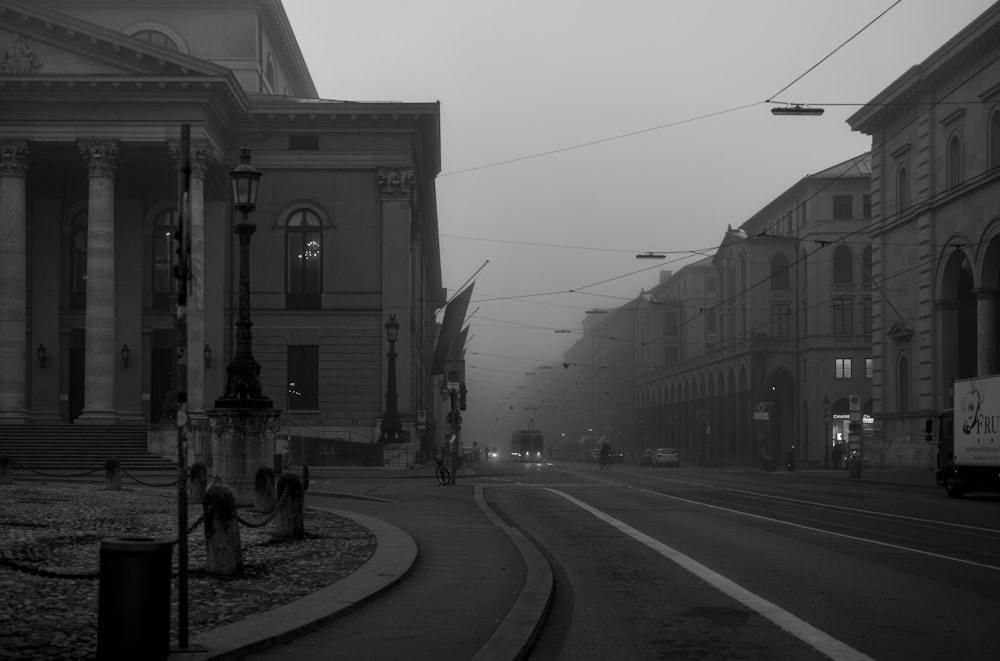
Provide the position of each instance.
(899, 333)
(36, 42)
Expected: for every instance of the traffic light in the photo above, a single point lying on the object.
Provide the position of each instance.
(462, 393)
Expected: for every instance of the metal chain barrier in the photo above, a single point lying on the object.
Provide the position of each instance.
(38, 472)
(8, 559)
(277, 506)
(148, 484)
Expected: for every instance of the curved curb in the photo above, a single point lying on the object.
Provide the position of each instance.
(394, 557)
(520, 627)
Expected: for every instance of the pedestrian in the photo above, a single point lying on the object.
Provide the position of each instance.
(838, 456)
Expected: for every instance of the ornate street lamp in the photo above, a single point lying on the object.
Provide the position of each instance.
(243, 372)
(391, 425)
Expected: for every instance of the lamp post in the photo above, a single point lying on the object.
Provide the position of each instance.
(826, 432)
(391, 426)
(243, 372)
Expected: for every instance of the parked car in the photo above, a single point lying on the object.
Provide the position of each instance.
(666, 457)
(646, 458)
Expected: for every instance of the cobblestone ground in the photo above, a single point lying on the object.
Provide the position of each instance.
(49, 558)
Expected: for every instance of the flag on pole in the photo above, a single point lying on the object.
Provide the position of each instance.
(451, 328)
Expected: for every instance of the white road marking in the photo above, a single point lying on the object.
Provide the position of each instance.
(807, 633)
(854, 538)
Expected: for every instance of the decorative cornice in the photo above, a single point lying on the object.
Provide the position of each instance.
(101, 157)
(396, 182)
(13, 159)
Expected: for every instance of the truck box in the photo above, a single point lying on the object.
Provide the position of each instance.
(969, 438)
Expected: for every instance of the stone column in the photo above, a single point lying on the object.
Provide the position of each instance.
(201, 155)
(13, 282)
(986, 329)
(101, 353)
(399, 230)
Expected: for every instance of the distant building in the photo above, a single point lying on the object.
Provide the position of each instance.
(92, 98)
(935, 234)
(763, 346)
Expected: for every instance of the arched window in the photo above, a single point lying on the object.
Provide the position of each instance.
(303, 252)
(866, 272)
(269, 74)
(994, 139)
(779, 272)
(164, 258)
(842, 265)
(156, 38)
(902, 191)
(954, 162)
(78, 259)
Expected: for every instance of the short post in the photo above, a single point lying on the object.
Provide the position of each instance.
(289, 516)
(305, 477)
(112, 475)
(222, 532)
(197, 483)
(6, 469)
(263, 490)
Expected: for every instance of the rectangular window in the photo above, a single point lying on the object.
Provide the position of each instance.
(780, 313)
(843, 207)
(303, 143)
(869, 368)
(303, 377)
(866, 316)
(842, 368)
(866, 206)
(843, 318)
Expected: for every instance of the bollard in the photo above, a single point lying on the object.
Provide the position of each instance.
(6, 469)
(112, 475)
(263, 490)
(197, 483)
(133, 602)
(289, 515)
(305, 477)
(222, 532)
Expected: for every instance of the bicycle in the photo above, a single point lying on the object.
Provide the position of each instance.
(442, 474)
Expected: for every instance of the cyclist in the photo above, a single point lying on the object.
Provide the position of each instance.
(605, 455)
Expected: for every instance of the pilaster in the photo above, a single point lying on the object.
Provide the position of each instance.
(13, 282)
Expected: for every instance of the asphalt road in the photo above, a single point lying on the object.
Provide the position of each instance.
(704, 564)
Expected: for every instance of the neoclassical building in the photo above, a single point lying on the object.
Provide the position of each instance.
(935, 233)
(92, 100)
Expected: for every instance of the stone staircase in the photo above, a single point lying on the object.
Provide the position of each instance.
(68, 447)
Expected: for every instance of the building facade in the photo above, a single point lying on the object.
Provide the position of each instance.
(92, 100)
(935, 234)
(764, 348)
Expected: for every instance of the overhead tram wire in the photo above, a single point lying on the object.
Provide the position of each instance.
(831, 53)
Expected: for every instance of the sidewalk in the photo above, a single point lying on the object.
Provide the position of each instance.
(904, 477)
(475, 588)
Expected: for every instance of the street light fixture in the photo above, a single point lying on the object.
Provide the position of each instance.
(797, 109)
(243, 372)
(391, 425)
(651, 255)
